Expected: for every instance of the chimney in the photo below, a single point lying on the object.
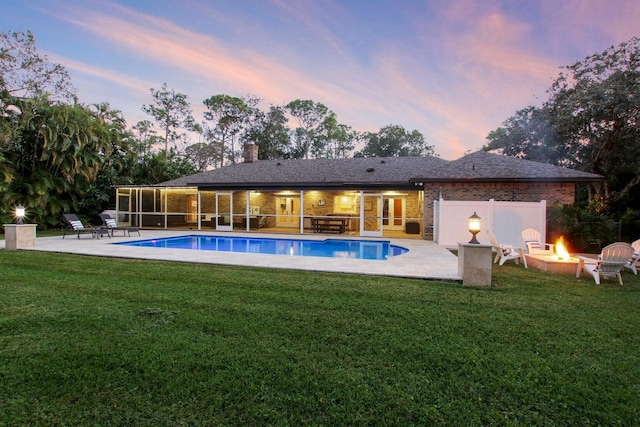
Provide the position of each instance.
(250, 152)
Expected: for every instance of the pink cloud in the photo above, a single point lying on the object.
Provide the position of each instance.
(473, 66)
(199, 55)
(104, 74)
(587, 27)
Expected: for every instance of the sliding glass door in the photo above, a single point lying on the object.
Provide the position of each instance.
(224, 209)
(371, 214)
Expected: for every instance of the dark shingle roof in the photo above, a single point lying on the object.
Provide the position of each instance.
(313, 172)
(378, 172)
(488, 167)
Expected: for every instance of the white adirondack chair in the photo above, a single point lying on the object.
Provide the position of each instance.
(504, 252)
(610, 263)
(631, 265)
(534, 244)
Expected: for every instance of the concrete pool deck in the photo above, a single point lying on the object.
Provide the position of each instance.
(425, 259)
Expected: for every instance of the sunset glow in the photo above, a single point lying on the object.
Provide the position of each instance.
(452, 70)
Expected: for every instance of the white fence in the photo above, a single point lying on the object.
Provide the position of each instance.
(505, 219)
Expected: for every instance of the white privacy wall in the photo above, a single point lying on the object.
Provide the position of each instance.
(505, 219)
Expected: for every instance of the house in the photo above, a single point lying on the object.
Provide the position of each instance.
(360, 196)
(484, 176)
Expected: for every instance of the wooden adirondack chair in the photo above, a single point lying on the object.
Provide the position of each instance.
(610, 263)
(631, 265)
(534, 243)
(504, 252)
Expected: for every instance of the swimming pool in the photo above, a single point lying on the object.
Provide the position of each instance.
(334, 248)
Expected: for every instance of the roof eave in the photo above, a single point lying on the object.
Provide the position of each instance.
(304, 185)
(514, 179)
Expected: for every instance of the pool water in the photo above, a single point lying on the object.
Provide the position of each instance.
(334, 248)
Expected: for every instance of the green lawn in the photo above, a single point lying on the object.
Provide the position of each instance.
(92, 341)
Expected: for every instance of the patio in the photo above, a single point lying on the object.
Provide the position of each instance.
(425, 259)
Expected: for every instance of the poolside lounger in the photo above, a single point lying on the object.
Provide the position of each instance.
(78, 227)
(112, 225)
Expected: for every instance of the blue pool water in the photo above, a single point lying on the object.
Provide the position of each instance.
(335, 248)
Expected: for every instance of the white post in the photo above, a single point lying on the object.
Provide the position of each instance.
(474, 264)
(301, 212)
(543, 221)
(247, 211)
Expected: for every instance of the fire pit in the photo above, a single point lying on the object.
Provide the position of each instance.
(558, 261)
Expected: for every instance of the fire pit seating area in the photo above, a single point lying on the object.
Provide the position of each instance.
(555, 258)
(552, 258)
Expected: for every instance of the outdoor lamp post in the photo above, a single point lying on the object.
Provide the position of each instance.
(474, 227)
(20, 213)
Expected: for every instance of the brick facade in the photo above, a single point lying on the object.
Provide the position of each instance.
(174, 202)
(553, 193)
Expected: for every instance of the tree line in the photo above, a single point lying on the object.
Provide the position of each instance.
(590, 122)
(230, 122)
(59, 155)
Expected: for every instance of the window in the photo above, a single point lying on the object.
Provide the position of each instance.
(345, 204)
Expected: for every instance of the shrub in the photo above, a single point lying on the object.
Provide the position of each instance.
(585, 230)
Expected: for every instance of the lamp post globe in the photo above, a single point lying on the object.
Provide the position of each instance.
(20, 213)
(474, 228)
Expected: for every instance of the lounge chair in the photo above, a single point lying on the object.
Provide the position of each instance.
(610, 263)
(631, 265)
(78, 227)
(534, 244)
(112, 225)
(504, 252)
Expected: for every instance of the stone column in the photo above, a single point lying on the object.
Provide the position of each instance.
(474, 264)
(18, 236)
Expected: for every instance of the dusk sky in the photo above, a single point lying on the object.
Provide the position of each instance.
(453, 70)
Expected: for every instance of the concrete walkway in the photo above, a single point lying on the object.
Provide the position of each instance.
(425, 259)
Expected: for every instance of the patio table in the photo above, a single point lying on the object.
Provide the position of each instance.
(329, 225)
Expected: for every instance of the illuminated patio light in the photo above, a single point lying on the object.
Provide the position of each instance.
(474, 227)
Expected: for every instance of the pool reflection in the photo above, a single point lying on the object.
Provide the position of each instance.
(333, 248)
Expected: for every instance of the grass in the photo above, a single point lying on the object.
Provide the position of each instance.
(91, 341)
(41, 233)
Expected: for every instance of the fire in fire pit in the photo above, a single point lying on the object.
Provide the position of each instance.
(561, 250)
(558, 262)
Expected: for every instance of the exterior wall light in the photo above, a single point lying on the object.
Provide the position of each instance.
(474, 227)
